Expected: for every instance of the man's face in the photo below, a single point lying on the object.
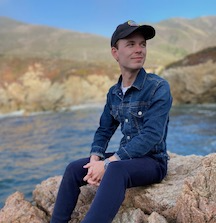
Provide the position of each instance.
(130, 52)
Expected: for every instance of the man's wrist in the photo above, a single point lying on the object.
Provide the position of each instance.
(94, 157)
(106, 163)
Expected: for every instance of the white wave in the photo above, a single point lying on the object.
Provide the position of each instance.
(12, 114)
(86, 106)
(72, 108)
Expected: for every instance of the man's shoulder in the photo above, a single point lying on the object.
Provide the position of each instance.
(113, 88)
(155, 77)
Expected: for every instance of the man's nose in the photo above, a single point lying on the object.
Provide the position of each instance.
(138, 48)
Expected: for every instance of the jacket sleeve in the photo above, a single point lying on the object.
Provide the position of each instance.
(154, 125)
(105, 131)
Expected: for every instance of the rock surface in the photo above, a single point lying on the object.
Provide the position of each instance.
(194, 84)
(192, 80)
(186, 195)
(18, 210)
(34, 91)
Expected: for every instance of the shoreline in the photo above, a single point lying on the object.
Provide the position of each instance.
(189, 180)
(89, 105)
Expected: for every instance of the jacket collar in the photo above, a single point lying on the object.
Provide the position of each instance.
(138, 83)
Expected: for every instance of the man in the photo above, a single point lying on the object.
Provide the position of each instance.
(140, 102)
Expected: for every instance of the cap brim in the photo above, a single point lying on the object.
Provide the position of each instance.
(147, 31)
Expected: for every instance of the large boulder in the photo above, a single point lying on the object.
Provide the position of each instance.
(18, 210)
(186, 195)
(193, 79)
(197, 202)
(192, 84)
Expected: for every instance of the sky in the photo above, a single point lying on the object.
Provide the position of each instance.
(102, 16)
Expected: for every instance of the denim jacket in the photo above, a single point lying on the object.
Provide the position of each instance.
(143, 113)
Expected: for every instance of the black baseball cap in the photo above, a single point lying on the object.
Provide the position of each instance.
(125, 29)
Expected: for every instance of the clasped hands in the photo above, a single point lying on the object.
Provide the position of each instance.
(95, 170)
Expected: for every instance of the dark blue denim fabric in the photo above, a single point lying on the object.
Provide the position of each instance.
(143, 113)
(119, 176)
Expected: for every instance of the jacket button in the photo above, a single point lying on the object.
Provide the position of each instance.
(139, 113)
(128, 137)
(126, 120)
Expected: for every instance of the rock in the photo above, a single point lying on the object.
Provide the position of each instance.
(197, 202)
(192, 84)
(18, 210)
(45, 193)
(132, 215)
(156, 218)
(34, 91)
(186, 195)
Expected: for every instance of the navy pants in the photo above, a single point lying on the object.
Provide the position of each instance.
(119, 176)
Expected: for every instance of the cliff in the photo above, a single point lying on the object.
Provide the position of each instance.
(42, 87)
(193, 79)
(186, 195)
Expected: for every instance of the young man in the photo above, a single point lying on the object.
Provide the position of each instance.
(140, 102)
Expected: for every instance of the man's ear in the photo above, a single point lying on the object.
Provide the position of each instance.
(114, 52)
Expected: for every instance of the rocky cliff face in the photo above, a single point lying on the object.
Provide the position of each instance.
(34, 91)
(193, 79)
(186, 195)
(55, 85)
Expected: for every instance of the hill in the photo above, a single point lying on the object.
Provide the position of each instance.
(179, 37)
(43, 68)
(25, 40)
(196, 58)
(175, 39)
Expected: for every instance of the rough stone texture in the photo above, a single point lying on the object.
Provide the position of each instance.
(18, 210)
(45, 193)
(186, 195)
(156, 218)
(34, 91)
(192, 84)
(197, 202)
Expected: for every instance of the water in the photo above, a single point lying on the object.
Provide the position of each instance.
(34, 148)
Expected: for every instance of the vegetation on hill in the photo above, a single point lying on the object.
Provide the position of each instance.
(175, 39)
(12, 68)
(196, 58)
(43, 68)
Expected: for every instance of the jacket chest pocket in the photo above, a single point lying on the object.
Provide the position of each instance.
(137, 116)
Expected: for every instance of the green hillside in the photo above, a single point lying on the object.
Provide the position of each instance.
(175, 39)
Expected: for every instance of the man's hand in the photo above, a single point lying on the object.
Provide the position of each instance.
(95, 172)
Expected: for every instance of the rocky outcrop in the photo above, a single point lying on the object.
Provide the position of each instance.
(17, 209)
(193, 79)
(39, 88)
(34, 91)
(186, 195)
(197, 202)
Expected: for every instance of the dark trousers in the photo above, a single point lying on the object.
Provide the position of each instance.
(119, 176)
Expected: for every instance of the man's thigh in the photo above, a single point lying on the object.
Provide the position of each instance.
(142, 171)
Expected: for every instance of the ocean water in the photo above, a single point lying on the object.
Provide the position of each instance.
(36, 147)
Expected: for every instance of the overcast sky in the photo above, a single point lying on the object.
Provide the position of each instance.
(102, 16)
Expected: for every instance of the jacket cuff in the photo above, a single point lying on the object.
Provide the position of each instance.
(99, 151)
(97, 154)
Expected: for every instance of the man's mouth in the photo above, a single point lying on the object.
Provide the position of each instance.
(137, 58)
